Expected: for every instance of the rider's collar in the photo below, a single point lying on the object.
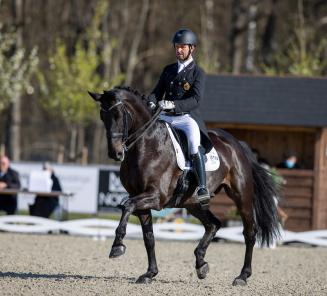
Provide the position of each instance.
(183, 65)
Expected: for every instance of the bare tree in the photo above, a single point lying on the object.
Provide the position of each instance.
(237, 36)
(209, 53)
(136, 42)
(251, 36)
(15, 135)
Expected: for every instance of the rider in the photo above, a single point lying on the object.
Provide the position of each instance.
(179, 92)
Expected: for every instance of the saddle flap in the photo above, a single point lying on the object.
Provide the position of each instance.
(182, 140)
(212, 162)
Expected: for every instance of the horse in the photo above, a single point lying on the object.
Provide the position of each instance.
(150, 175)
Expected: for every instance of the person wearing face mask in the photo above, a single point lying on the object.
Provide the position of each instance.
(179, 92)
(290, 162)
(9, 179)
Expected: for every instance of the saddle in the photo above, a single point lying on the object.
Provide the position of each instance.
(181, 147)
(186, 182)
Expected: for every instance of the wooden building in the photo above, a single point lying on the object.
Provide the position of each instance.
(276, 115)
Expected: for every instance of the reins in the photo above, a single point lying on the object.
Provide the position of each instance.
(133, 138)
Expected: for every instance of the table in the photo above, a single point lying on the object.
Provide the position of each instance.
(65, 195)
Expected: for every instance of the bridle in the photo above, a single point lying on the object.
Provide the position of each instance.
(126, 113)
(129, 140)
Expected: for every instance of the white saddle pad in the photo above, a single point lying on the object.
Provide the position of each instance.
(212, 162)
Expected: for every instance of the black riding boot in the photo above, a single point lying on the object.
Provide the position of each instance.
(203, 195)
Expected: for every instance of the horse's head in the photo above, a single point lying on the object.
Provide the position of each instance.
(119, 111)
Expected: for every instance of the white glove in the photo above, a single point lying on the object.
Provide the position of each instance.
(166, 105)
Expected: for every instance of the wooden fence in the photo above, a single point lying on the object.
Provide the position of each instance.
(296, 201)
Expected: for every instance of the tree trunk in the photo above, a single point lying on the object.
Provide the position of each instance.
(251, 36)
(72, 144)
(120, 24)
(210, 53)
(267, 47)
(97, 135)
(238, 31)
(136, 42)
(80, 141)
(15, 129)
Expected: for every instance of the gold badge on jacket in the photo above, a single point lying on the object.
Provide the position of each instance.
(186, 86)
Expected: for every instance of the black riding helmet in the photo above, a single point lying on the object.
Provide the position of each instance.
(184, 36)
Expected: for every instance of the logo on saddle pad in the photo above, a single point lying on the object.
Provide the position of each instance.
(212, 160)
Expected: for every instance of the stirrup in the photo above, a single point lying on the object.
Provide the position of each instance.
(203, 199)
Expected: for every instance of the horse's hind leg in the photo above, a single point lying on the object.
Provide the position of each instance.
(211, 225)
(118, 248)
(249, 233)
(245, 207)
(145, 218)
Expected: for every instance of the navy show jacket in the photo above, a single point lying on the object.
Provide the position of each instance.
(186, 89)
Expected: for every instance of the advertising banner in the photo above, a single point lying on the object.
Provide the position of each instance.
(81, 181)
(93, 187)
(111, 191)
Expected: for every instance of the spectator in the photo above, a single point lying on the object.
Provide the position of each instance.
(290, 162)
(45, 205)
(9, 179)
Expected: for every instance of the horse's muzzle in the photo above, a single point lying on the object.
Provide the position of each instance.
(117, 155)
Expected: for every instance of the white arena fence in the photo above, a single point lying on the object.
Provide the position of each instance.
(101, 228)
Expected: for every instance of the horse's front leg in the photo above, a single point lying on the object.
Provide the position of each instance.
(148, 237)
(211, 225)
(118, 248)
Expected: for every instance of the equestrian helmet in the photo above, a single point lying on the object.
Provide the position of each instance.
(184, 36)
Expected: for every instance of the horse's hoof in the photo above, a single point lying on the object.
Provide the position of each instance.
(144, 280)
(117, 251)
(202, 271)
(239, 282)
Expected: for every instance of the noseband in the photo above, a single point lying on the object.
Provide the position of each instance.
(129, 140)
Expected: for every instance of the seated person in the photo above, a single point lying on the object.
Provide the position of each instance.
(290, 162)
(9, 179)
(45, 205)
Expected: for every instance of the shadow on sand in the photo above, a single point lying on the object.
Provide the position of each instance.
(60, 276)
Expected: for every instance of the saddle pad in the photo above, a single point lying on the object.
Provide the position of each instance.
(212, 163)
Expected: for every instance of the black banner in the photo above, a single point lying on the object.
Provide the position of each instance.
(111, 191)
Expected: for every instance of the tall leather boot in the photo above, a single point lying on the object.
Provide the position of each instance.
(203, 195)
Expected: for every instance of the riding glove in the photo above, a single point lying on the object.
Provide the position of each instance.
(166, 105)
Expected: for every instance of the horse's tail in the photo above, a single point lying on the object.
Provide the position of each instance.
(265, 201)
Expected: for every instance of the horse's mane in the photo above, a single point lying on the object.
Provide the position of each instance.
(131, 90)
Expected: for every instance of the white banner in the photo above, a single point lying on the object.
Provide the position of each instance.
(82, 181)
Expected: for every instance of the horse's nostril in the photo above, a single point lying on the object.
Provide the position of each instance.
(120, 155)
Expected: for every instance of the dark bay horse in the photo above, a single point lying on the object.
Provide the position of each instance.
(150, 174)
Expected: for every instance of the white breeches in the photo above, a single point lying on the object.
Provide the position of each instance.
(189, 126)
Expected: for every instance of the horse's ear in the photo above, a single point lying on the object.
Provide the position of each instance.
(95, 96)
